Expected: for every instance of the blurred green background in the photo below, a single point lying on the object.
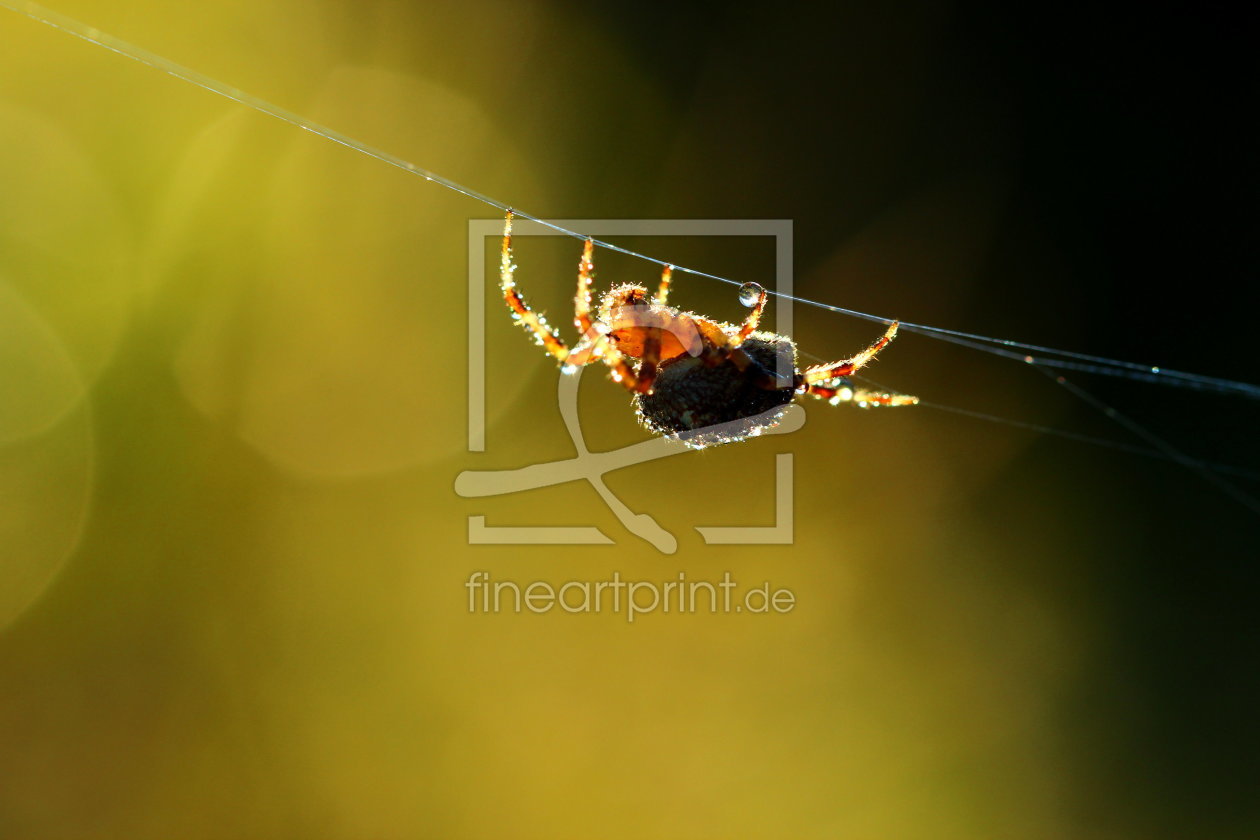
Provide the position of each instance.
(233, 406)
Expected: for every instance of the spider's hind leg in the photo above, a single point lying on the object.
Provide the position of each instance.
(836, 391)
(827, 381)
(836, 370)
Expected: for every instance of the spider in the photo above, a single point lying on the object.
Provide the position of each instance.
(700, 381)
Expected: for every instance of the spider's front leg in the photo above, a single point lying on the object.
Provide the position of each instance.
(590, 347)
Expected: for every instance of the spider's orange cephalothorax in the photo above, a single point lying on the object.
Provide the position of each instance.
(632, 318)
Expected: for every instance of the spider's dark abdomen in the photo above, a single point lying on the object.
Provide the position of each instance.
(703, 406)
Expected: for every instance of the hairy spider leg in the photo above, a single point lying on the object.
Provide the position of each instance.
(834, 370)
(662, 293)
(544, 334)
(582, 301)
(840, 390)
(648, 364)
(592, 345)
(753, 319)
(827, 381)
(622, 371)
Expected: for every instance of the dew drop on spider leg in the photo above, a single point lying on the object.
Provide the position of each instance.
(750, 293)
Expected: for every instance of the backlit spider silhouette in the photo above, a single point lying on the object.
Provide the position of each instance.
(698, 380)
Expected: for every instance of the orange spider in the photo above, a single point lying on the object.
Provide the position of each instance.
(698, 380)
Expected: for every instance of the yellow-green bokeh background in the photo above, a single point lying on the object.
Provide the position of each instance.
(231, 586)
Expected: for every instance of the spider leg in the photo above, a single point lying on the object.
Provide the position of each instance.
(723, 347)
(622, 371)
(582, 302)
(544, 334)
(591, 348)
(588, 349)
(662, 293)
(753, 319)
(835, 370)
(648, 365)
(712, 355)
(836, 391)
